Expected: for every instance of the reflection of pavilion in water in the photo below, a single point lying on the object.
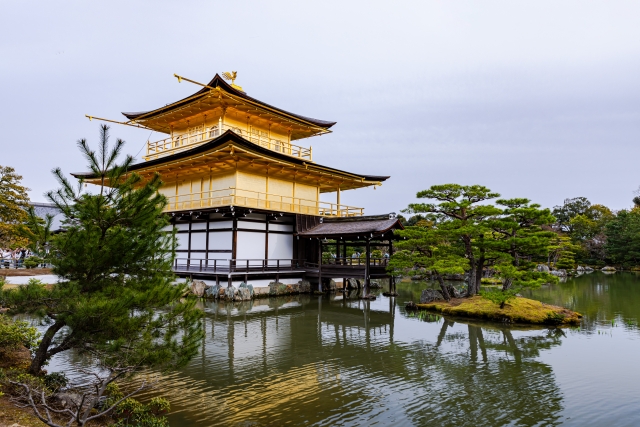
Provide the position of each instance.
(306, 358)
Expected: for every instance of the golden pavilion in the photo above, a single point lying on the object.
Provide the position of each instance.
(244, 192)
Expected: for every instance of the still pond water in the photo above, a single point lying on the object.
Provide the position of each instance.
(315, 361)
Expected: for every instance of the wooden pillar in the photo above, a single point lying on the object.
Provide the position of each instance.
(367, 281)
(344, 260)
(234, 243)
(320, 265)
(392, 280)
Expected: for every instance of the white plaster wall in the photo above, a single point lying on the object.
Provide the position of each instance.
(221, 240)
(280, 227)
(250, 246)
(216, 225)
(183, 241)
(280, 246)
(252, 225)
(182, 226)
(198, 241)
(199, 226)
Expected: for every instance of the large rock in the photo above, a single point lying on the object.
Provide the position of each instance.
(352, 284)
(197, 288)
(608, 268)
(542, 268)
(588, 269)
(580, 269)
(304, 286)
(277, 288)
(228, 293)
(429, 295)
(213, 292)
(559, 273)
(329, 285)
(374, 284)
(245, 292)
(453, 292)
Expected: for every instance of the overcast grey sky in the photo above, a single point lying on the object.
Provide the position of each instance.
(532, 99)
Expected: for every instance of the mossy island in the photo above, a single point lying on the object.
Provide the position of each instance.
(517, 310)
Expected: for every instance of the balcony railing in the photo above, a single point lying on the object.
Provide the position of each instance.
(177, 143)
(257, 200)
(235, 265)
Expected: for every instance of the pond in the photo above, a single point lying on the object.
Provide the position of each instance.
(325, 361)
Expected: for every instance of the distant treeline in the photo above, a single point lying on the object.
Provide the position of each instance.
(588, 234)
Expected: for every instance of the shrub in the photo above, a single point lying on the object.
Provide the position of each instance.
(15, 334)
(499, 296)
(56, 380)
(33, 262)
(132, 412)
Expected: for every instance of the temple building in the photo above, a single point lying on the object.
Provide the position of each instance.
(244, 192)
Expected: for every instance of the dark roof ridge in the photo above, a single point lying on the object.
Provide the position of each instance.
(381, 217)
(218, 81)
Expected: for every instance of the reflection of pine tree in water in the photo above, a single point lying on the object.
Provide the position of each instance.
(323, 362)
(489, 379)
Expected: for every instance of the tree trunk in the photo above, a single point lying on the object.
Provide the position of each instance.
(40, 357)
(479, 269)
(443, 288)
(507, 285)
(471, 287)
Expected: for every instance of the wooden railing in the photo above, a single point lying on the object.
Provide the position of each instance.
(356, 261)
(177, 143)
(257, 200)
(235, 265)
(351, 262)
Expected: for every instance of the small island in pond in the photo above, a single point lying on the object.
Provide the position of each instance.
(517, 310)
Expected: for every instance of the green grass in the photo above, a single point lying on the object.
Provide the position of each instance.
(517, 310)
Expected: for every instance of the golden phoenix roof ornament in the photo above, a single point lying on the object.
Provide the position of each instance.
(232, 77)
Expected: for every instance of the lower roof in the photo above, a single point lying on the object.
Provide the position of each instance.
(360, 227)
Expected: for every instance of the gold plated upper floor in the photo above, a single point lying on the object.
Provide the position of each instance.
(258, 200)
(177, 143)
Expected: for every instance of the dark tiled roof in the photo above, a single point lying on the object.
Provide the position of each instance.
(44, 209)
(364, 226)
(217, 81)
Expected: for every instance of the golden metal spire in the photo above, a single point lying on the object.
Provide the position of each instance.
(232, 77)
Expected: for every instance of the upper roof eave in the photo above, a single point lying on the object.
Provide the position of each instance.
(216, 82)
(241, 143)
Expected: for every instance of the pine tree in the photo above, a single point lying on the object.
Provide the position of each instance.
(117, 298)
(426, 246)
(463, 220)
(13, 203)
(517, 233)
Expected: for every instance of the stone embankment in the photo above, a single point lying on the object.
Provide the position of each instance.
(247, 292)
